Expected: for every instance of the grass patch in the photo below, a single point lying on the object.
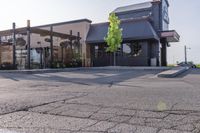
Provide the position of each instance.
(171, 65)
(198, 65)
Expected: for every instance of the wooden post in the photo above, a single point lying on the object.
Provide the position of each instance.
(78, 41)
(41, 54)
(71, 43)
(44, 57)
(78, 34)
(51, 45)
(14, 46)
(28, 45)
(62, 54)
(78, 37)
(0, 50)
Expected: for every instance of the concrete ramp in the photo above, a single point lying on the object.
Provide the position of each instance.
(172, 73)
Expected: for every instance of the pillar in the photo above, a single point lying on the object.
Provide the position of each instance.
(14, 46)
(164, 55)
(51, 46)
(28, 45)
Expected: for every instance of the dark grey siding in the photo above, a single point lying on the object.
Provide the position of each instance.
(156, 16)
(141, 60)
(160, 16)
(165, 15)
(123, 60)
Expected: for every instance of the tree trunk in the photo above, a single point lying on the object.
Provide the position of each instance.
(114, 54)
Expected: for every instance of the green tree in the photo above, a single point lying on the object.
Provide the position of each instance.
(114, 35)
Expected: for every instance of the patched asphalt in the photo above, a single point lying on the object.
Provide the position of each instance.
(98, 101)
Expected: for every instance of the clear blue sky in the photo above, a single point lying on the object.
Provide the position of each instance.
(184, 17)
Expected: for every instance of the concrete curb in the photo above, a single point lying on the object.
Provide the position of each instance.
(36, 71)
(129, 68)
(173, 72)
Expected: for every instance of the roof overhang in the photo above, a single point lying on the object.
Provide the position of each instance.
(170, 36)
(131, 30)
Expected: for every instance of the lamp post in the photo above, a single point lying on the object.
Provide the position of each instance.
(186, 48)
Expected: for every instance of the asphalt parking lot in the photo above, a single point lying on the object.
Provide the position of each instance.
(97, 101)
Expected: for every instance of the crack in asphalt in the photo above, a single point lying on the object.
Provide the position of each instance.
(29, 107)
(172, 119)
(126, 121)
(131, 116)
(174, 127)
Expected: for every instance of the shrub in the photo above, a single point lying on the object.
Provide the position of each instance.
(7, 66)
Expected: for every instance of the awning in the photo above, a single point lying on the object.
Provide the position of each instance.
(170, 36)
(132, 30)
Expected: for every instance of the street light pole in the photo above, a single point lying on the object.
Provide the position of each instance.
(186, 48)
(185, 55)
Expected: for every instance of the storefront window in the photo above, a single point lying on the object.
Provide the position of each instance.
(126, 48)
(96, 51)
(132, 49)
(100, 51)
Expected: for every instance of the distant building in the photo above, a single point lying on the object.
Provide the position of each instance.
(146, 36)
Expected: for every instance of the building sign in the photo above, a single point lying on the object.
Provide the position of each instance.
(165, 12)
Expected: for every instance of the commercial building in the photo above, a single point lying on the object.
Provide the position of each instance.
(146, 36)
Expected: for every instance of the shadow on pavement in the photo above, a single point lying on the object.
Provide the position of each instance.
(83, 77)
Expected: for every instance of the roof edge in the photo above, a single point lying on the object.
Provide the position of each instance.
(67, 22)
(133, 11)
(127, 20)
(55, 24)
(115, 11)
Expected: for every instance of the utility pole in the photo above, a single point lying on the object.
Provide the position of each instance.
(186, 48)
